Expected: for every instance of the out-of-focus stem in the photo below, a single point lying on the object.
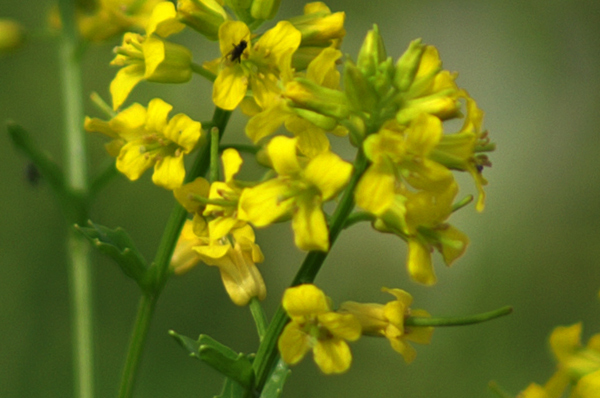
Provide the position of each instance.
(76, 184)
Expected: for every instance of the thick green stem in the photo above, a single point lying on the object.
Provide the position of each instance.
(160, 266)
(76, 184)
(267, 351)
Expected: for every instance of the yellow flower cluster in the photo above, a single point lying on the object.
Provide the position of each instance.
(287, 76)
(578, 367)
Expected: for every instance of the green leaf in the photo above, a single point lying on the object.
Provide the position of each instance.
(235, 366)
(232, 389)
(117, 244)
(274, 385)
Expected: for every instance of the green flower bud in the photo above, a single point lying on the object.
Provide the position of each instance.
(309, 95)
(372, 52)
(359, 91)
(204, 16)
(264, 9)
(408, 64)
(166, 62)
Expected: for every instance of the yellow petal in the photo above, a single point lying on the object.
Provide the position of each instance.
(375, 190)
(230, 87)
(343, 326)
(266, 122)
(263, 204)
(169, 172)
(329, 173)
(310, 227)
(231, 33)
(125, 80)
(164, 21)
(565, 340)
(282, 152)
(131, 162)
(278, 41)
(304, 300)
(182, 130)
(158, 112)
(419, 263)
(186, 194)
(293, 344)
(232, 161)
(333, 356)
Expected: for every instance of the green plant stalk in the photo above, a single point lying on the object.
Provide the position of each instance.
(266, 355)
(76, 185)
(160, 266)
(459, 320)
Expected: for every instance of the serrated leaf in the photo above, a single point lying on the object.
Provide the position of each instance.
(235, 366)
(118, 245)
(274, 385)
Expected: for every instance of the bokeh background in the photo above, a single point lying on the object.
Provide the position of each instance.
(532, 65)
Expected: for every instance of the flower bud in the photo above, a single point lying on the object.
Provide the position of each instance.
(166, 62)
(204, 16)
(372, 53)
(408, 64)
(264, 9)
(319, 27)
(360, 93)
(309, 95)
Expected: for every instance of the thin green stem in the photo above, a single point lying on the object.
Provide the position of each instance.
(259, 316)
(266, 355)
(76, 184)
(200, 70)
(357, 217)
(160, 266)
(459, 320)
(136, 344)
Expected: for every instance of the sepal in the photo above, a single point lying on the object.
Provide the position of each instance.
(235, 366)
(117, 244)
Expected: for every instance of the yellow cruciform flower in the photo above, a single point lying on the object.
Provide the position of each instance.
(460, 151)
(314, 326)
(299, 191)
(146, 139)
(258, 66)
(149, 57)
(236, 255)
(388, 320)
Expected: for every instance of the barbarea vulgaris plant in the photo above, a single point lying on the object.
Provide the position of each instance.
(300, 94)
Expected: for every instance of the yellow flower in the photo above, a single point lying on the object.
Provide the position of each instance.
(400, 159)
(460, 151)
(236, 255)
(257, 66)
(275, 112)
(299, 191)
(149, 57)
(224, 216)
(388, 320)
(143, 138)
(314, 326)
(184, 257)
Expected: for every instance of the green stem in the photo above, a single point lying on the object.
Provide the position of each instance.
(214, 155)
(266, 355)
(160, 267)
(76, 184)
(459, 320)
(259, 317)
(136, 344)
(357, 217)
(200, 70)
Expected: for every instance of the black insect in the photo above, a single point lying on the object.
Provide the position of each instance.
(237, 52)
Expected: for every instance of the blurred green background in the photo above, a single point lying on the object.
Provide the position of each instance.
(531, 65)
